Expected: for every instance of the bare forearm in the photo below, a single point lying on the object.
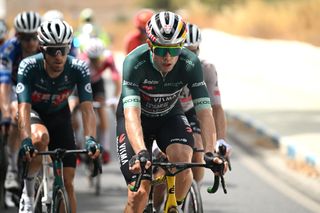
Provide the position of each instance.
(24, 125)
(220, 121)
(208, 130)
(134, 129)
(88, 119)
(5, 92)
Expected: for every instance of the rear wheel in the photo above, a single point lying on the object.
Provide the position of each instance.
(61, 201)
(193, 201)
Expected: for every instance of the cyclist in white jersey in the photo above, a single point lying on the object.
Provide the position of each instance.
(211, 79)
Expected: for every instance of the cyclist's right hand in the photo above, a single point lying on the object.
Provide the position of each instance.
(138, 160)
(27, 150)
(94, 149)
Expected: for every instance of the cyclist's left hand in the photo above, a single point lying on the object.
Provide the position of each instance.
(215, 159)
(93, 148)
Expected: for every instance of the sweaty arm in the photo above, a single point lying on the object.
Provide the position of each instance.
(134, 128)
(88, 119)
(5, 93)
(24, 125)
(211, 79)
(5, 87)
(132, 105)
(85, 98)
(208, 130)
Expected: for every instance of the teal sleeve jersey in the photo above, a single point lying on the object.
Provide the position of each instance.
(144, 86)
(47, 94)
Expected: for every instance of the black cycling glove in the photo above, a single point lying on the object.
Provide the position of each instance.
(143, 156)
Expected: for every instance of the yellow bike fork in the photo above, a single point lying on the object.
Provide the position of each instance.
(171, 202)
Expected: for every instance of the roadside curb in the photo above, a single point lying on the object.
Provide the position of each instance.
(288, 147)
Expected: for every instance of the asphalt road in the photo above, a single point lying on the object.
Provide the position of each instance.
(252, 187)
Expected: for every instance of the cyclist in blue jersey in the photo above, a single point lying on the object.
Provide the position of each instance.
(45, 82)
(154, 74)
(24, 44)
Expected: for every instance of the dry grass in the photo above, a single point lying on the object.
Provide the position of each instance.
(297, 20)
(293, 20)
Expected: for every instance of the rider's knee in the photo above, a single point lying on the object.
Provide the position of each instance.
(40, 139)
(180, 153)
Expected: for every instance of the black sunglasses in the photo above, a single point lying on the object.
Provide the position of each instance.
(53, 51)
(28, 37)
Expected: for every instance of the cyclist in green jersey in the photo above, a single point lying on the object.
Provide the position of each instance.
(45, 81)
(154, 74)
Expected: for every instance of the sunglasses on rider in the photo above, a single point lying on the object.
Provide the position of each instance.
(53, 51)
(163, 50)
(28, 37)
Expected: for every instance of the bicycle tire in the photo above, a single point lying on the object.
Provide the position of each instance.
(61, 201)
(193, 201)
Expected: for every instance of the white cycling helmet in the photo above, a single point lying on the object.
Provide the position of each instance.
(166, 28)
(193, 36)
(27, 22)
(55, 33)
(95, 48)
(52, 14)
(3, 29)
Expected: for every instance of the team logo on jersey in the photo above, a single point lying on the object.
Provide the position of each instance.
(20, 88)
(88, 88)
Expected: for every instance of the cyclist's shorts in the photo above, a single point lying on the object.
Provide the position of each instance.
(165, 130)
(194, 122)
(60, 132)
(98, 90)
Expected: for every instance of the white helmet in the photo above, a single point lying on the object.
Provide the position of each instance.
(3, 29)
(95, 48)
(193, 36)
(52, 14)
(27, 22)
(166, 28)
(55, 33)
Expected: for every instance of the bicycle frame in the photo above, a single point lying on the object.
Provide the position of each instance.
(58, 183)
(46, 198)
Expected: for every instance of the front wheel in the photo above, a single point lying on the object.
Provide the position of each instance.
(193, 201)
(61, 201)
